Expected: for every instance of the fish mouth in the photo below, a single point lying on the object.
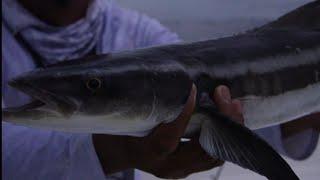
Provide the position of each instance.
(61, 105)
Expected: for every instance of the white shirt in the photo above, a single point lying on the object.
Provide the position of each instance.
(38, 154)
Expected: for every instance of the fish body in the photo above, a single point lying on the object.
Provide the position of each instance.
(129, 93)
(274, 71)
(264, 68)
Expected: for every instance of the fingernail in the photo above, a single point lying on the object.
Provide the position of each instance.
(225, 93)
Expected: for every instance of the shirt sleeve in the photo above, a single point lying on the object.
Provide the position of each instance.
(131, 29)
(37, 154)
(29, 153)
(299, 146)
(152, 33)
(149, 31)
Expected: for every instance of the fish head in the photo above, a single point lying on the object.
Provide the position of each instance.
(115, 90)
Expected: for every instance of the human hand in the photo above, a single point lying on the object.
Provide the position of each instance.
(161, 153)
(226, 105)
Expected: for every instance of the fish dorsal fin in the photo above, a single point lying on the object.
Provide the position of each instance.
(306, 17)
(84, 60)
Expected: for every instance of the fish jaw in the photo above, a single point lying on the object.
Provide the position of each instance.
(53, 102)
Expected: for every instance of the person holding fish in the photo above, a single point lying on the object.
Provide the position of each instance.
(40, 33)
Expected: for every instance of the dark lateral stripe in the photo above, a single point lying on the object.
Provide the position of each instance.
(273, 83)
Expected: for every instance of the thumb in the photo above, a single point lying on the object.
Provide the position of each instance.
(226, 105)
(222, 98)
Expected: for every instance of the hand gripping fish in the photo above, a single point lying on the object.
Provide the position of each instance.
(274, 70)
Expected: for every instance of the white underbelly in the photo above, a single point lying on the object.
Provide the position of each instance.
(262, 112)
(106, 124)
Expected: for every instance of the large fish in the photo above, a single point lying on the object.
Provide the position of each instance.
(273, 70)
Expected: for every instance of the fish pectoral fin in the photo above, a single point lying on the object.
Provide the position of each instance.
(34, 110)
(227, 140)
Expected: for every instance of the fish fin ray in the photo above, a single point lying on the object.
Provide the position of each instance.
(227, 140)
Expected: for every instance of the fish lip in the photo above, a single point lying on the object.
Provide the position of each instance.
(60, 104)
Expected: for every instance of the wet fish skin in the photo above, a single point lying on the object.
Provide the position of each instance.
(142, 88)
(264, 64)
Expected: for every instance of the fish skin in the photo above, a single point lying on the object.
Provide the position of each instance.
(240, 62)
(164, 76)
(143, 88)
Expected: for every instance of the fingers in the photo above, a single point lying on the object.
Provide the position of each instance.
(196, 158)
(189, 158)
(237, 113)
(167, 136)
(226, 105)
(237, 106)
(179, 125)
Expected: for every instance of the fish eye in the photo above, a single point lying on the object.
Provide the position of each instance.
(93, 84)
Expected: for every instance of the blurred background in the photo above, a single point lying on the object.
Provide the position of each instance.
(195, 20)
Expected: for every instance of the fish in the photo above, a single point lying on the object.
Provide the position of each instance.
(273, 70)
